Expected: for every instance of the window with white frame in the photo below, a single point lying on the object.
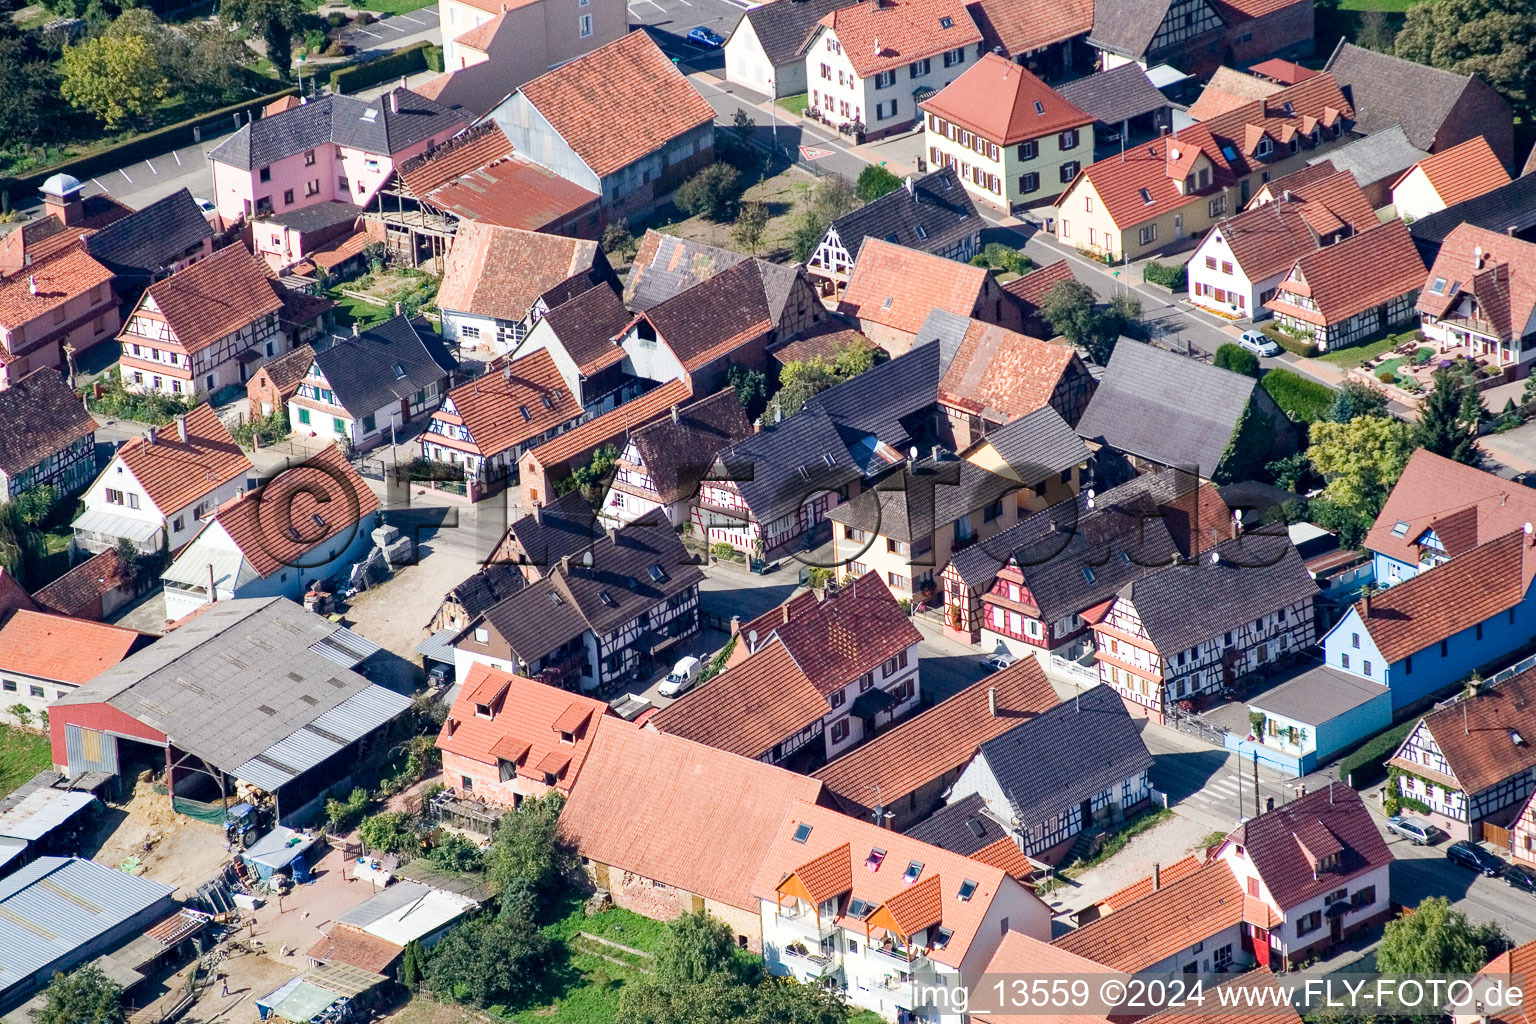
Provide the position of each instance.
(584, 25)
(1148, 234)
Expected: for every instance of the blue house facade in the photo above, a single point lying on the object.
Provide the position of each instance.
(1311, 717)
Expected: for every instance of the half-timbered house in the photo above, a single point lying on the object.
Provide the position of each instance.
(211, 324)
(1346, 292)
(1471, 760)
(835, 671)
(662, 462)
(1187, 33)
(595, 618)
(1059, 772)
(1186, 631)
(537, 541)
(46, 436)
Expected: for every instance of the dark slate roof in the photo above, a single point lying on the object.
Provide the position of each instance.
(1388, 90)
(1383, 155)
(666, 265)
(1058, 759)
(962, 828)
(1166, 407)
(785, 26)
(1115, 95)
(368, 125)
(1318, 695)
(1184, 605)
(931, 494)
(488, 588)
(1507, 207)
(39, 415)
(777, 469)
(316, 217)
(889, 401)
(1038, 445)
(564, 527)
(1127, 26)
(927, 214)
(383, 364)
(147, 241)
(948, 329)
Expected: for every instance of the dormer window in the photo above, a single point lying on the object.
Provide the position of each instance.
(482, 711)
(967, 890)
(946, 22)
(860, 909)
(941, 938)
(875, 859)
(914, 870)
(567, 737)
(1264, 148)
(549, 780)
(1289, 108)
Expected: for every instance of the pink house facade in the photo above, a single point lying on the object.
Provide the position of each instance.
(333, 149)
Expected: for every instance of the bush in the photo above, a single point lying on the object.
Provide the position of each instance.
(1304, 347)
(1237, 359)
(263, 430)
(713, 193)
(152, 407)
(1175, 278)
(1303, 400)
(874, 182)
(1367, 766)
(456, 853)
(345, 814)
(1387, 376)
(389, 832)
(435, 59)
(617, 238)
(407, 61)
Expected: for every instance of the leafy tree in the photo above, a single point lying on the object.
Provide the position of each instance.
(529, 847)
(1290, 471)
(33, 506)
(855, 356)
(694, 948)
(1358, 399)
(490, 959)
(750, 227)
(389, 831)
(117, 78)
(1494, 39)
(617, 238)
(712, 193)
(207, 61)
(345, 814)
(1361, 460)
(1438, 939)
(1449, 417)
(1237, 359)
(751, 388)
(832, 197)
(29, 87)
(275, 21)
(456, 853)
(800, 379)
(593, 477)
(87, 996)
(806, 235)
(1249, 449)
(1350, 524)
(1126, 311)
(1375, 32)
(1070, 309)
(743, 122)
(410, 965)
(874, 182)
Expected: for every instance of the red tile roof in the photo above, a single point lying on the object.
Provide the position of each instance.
(1473, 734)
(62, 649)
(942, 739)
(1004, 103)
(49, 284)
(849, 633)
(1227, 90)
(1163, 923)
(1449, 598)
(526, 719)
(684, 814)
(749, 707)
(616, 423)
(1515, 967)
(1276, 1009)
(1034, 286)
(77, 593)
(1341, 196)
(1466, 170)
(618, 103)
(901, 906)
(1143, 887)
(502, 272)
(260, 521)
(1019, 954)
(507, 405)
(214, 297)
(469, 151)
(1497, 270)
(823, 877)
(348, 945)
(1285, 844)
(1024, 28)
(1282, 71)
(886, 35)
(1431, 490)
(175, 474)
(479, 37)
(899, 287)
(1351, 276)
(1001, 375)
(13, 595)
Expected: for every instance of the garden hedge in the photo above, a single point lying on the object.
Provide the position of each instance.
(159, 142)
(407, 61)
(1173, 278)
(1305, 401)
(1367, 765)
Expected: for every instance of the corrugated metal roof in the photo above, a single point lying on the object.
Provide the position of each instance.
(113, 525)
(41, 811)
(304, 748)
(345, 647)
(53, 906)
(230, 569)
(438, 646)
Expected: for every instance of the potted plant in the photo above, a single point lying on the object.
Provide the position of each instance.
(1256, 720)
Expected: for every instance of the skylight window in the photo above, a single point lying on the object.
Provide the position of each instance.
(657, 573)
(922, 232)
(1087, 574)
(1290, 109)
(946, 22)
(607, 599)
(967, 890)
(875, 859)
(888, 300)
(399, 372)
(1439, 286)
(1455, 286)
(1039, 107)
(1400, 529)
(942, 937)
(371, 115)
(977, 828)
(802, 832)
(320, 522)
(1146, 197)
(860, 909)
(527, 416)
(548, 402)
(914, 870)
(1229, 152)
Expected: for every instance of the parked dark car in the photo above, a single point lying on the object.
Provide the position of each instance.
(1517, 876)
(1470, 855)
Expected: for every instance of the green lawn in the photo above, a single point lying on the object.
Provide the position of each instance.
(1354, 355)
(22, 755)
(366, 314)
(584, 987)
(383, 6)
(795, 104)
(1397, 6)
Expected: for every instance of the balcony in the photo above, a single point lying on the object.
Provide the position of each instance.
(804, 922)
(811, 961)
(896, 956)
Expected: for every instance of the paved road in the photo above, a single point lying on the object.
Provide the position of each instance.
(1424, 871)
(1203, 783)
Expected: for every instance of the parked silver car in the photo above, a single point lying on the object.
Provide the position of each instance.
(1412, 829)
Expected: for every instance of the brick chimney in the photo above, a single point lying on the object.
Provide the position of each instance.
(1157, 876)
